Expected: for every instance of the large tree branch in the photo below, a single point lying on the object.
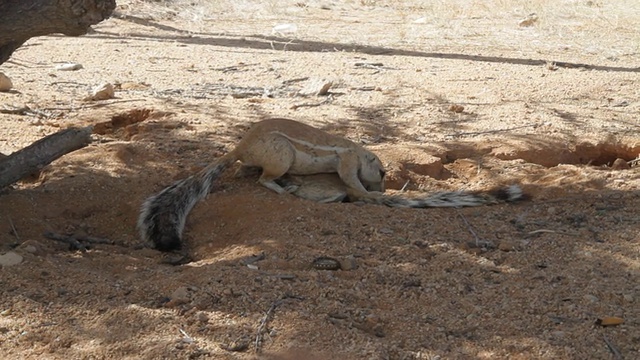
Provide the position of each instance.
(21, 20)
(42, 152)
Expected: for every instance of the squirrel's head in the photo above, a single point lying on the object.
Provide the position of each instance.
(371, 172)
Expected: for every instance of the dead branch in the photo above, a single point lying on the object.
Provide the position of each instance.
(614, 350)
(42, 152)
(265, 319)
(24, 19)
(296, 106)
(77, 242)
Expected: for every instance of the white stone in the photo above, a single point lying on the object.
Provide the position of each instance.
(68, 67)
(9, 259)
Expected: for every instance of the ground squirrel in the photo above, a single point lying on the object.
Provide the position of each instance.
(279, 147)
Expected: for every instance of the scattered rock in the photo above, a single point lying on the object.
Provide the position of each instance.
(620, 164)
(316, 87)
(285, 29)
(202, 317)
(103, 91)
(5, 82)
(628, 298)
(348, 263)
(181, 293)
(179, 297)
(31, 246)
(228, 292)
(507, 245)
(68, 67)
(456, 108)
(591, 298)
(529, 20)
(238, 345)
(551, 66)
(10, 258)
(385, 231)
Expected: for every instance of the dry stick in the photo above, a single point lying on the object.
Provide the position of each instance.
(263, 323)
(489, 131)
(475, 236)
(76, 241)
(614, 350)
(25, 110)
(42, 152)
(66, 239)
(291, 81)
(541, 231)
(87, 106)
(294, 107)
(13, 229)
(265, 319)
(404, 187)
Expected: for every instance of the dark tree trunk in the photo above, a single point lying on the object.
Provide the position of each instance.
(21, 20)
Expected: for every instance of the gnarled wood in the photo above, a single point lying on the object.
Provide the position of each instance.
(21, 20)
(42, 152)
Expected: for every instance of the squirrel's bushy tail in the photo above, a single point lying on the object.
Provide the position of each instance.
(164, 214)
(450, 199)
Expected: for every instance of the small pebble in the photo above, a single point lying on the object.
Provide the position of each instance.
(103, 91)
(68, 67)
(202, 317)
(591, 298)
(180, 294)
(5, 82)
(348, 263)
(10, 258)
(506, 245)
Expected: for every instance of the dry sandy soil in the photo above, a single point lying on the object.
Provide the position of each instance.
(450, 94)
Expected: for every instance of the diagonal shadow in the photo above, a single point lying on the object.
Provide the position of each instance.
(264, 42)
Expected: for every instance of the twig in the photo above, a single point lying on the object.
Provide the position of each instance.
(475, 236)
(265, 319)
(489, 131)
(24, 110)
(614, 350)
(86, 106)
(186, 339)
(73, 242)
(233, 67)
(76, 242)
(404, 187)
(541, 231)
(291, 81)
(296, 106)
(13, 230)
(263, 324)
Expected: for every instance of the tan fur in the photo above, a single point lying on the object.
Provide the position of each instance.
(277, 147)
(280, 147)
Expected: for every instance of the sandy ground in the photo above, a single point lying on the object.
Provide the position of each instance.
(449, 95)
